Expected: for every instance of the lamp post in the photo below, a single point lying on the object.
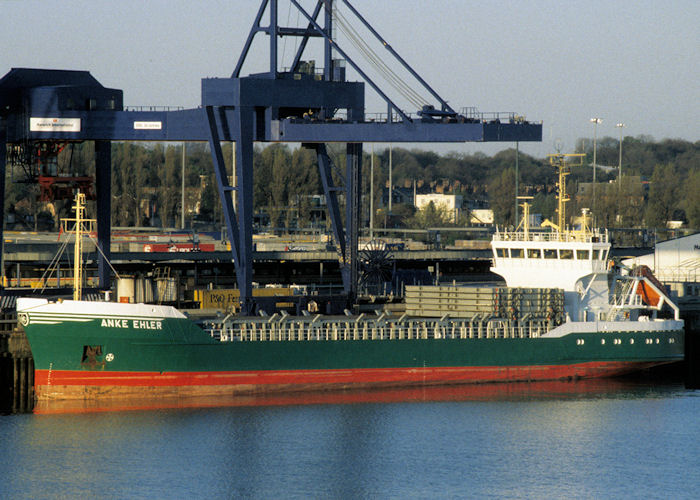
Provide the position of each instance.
(391, 195)
(619, 163)
(182, 201)
(371, 195)
(595, 122)
(517, 178)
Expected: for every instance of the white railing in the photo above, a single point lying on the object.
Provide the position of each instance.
(678, 275)
(566, 236)
(284, 328)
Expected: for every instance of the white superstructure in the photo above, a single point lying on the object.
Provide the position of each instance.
(576, 261)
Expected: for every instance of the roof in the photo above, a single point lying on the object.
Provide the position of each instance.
(19, 78)
(690, 237)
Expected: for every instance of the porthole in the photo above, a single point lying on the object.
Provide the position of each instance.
(631, 341)
(671, 341)
(657, 341)
(602, 341)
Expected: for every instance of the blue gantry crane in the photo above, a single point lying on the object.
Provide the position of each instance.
(40, 109)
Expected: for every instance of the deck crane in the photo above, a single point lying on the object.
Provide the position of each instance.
(296, 105)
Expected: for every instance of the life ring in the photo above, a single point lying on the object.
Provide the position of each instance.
(23, 318)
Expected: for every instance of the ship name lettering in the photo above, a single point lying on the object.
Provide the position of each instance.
(115, 323)
(147, 324)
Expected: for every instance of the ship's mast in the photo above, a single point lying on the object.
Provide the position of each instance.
(82, 225)
(525, 221)
(563, 166)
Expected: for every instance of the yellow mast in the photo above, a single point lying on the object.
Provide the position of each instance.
(78, 229)
(525, 221)
(559, 161)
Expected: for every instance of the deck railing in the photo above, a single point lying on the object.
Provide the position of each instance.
(278, 328)
(565, 236)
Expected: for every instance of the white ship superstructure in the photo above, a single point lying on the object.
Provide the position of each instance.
(578, 262)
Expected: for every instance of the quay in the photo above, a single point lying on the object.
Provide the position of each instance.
(16, 367)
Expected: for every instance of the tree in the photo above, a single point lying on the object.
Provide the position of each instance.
(430, 215)
(129, 180)
(664, 194)
(545, 205)
(278, 156)
(691, 200)
(304, 182)
(209, 199)
(502, 197)
(169, 194)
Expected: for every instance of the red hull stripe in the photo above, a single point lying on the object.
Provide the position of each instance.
(453, 392)
(359, 376)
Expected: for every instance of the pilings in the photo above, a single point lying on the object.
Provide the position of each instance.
(691, 316)
(16, 368)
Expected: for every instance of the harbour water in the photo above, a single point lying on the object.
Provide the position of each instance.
(584, 439)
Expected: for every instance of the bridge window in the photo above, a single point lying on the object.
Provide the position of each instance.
(517, 253)
(566, 253)
(550, 253)
(597, 254)
(533, 253)
(582, 254)
(502, 253)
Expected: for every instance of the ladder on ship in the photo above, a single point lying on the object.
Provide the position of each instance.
(622, 300)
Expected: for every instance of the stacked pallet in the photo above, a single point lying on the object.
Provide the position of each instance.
(469, 301)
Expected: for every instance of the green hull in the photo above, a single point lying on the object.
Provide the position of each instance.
(85, 350)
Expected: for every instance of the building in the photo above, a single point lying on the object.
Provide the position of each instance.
(450, 202)
(676, 263)
(481, 217)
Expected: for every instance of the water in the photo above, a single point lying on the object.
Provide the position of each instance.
(554, 440)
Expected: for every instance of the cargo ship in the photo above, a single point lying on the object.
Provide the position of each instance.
(564, 313)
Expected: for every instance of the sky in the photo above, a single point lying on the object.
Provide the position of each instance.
(558, 62)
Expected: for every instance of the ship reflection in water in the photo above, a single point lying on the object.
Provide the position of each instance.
(518, 391)
(612, 438)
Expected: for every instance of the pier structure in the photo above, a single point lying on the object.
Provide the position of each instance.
(16, 367)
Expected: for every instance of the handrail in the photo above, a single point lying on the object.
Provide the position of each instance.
(367, 328)
(565, 236)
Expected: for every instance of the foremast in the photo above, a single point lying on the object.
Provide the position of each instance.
(81, 226)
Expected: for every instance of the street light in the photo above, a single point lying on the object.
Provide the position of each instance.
(595, 122)
(619, 164)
